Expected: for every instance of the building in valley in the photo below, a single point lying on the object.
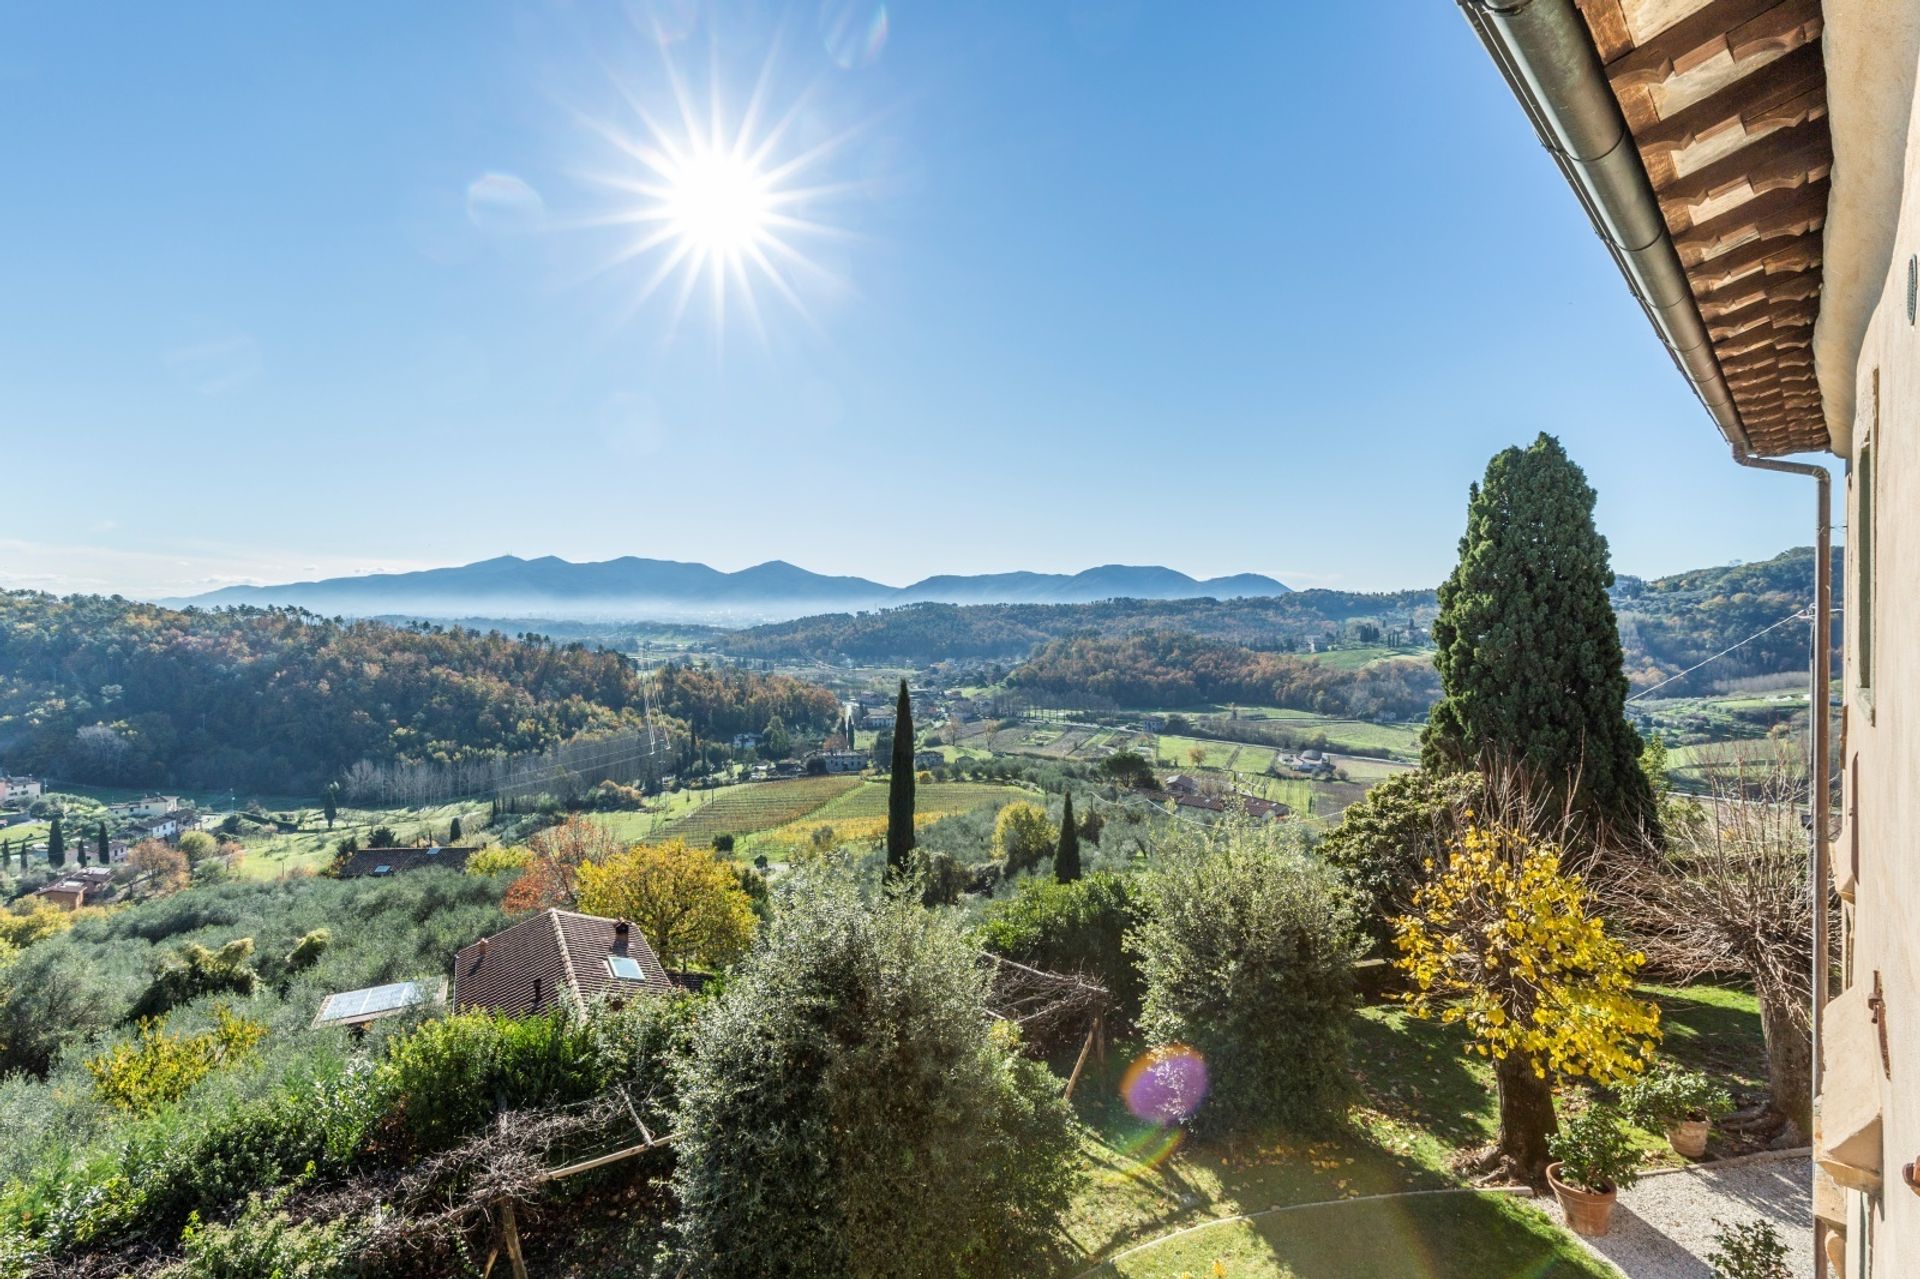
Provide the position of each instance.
(1754, 169)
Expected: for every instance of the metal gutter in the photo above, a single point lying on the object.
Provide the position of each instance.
(1544, 50)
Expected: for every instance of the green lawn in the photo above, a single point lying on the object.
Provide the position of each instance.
(1419, 1105)
(1424, 1237)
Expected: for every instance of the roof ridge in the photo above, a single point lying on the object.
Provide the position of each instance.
(560, 937)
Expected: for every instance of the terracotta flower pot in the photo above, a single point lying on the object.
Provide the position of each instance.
(1587, 1213)
(1688, 1137)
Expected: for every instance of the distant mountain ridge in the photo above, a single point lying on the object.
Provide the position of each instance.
(672, 590)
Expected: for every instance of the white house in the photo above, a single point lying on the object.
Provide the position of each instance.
(15, 789)
(145, 806)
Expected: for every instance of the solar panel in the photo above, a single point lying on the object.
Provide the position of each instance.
(627, 967)
(375, 1001)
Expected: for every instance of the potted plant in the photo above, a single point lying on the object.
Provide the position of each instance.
(1681, 1103)
(1593, 1161)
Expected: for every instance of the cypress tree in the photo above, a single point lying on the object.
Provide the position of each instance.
(56, 844)
(1531, 669)
(1066, 858)
(900, 787)
(453, 830)
(100, 842)
(330, 803)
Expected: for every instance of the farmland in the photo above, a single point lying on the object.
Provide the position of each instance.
(749, 807)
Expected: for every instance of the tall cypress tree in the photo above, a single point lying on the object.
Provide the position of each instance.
(1066, 858)
(1531, 669)
(56, 844)
(900, 787)
(100, 842)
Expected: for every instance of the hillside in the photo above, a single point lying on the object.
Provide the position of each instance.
(672, 591)
(1161, 669)
(923, 633)
(110, 692)
(1667, 624)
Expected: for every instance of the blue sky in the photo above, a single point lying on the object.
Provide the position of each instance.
(299, 290)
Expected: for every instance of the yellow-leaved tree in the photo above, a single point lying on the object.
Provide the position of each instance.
(1505, 943)
(686, 902)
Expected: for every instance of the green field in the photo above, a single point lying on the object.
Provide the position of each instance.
(1177, 752)
(1352, 659)
(312, 846)
(1342, 735)
(746, 808)
(935, 798)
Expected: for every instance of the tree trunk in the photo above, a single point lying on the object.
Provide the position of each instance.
(1526, 1117)
(1789, 1039)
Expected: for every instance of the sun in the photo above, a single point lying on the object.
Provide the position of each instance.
(709, 196)
(717, 204)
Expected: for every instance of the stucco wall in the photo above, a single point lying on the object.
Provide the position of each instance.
(1883, 728)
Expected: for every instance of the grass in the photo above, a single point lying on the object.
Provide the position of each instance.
(1177, 752)
(755, 806)
(1353, 659)
(937, 799)
(1420, 1105)
(1429, 1237)
(313, 845)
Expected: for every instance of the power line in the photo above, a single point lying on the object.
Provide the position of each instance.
(1803, 615)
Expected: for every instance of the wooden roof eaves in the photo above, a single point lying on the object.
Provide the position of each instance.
(1782, 92)
(1744, 28)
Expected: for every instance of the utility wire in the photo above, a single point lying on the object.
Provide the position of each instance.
(1803, 615)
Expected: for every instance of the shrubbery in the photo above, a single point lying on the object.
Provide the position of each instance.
(1386, 839)
(1078, 927)
(1246, 946)
(853, 1058)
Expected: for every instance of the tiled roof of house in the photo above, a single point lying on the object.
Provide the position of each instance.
(368, 861)
(522, 968)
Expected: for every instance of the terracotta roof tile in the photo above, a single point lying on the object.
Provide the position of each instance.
(522, 969)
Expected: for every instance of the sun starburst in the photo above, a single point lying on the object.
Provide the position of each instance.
(706, 200)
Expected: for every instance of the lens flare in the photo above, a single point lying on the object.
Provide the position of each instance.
(854, 32)
(1166, 1085)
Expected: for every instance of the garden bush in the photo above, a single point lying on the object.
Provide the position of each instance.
(851, 1061)
(1079, 927)
(1246, 948)
(1389, 840)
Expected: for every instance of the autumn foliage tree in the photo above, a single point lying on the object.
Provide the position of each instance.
(688, 903)
(162, 866)
(557, 854)
(1503, 942)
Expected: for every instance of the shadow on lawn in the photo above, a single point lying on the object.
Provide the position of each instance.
(1147, 1180)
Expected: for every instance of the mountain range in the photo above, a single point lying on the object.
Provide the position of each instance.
(673, 591)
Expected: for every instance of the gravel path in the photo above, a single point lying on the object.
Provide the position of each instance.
(1663, 1227)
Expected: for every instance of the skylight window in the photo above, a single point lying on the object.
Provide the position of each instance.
(626, 967)
(383, 869)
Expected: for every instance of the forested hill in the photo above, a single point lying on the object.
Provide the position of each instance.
(119, 693)
(1667, 624)
(1161, 669)
(922, 633)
